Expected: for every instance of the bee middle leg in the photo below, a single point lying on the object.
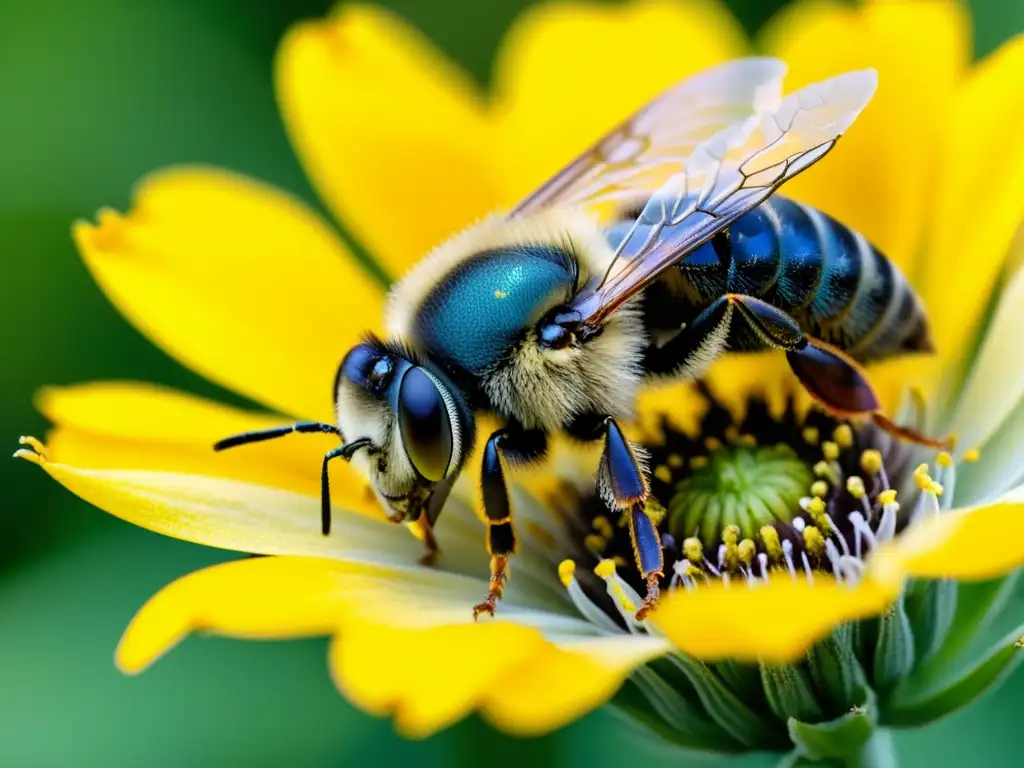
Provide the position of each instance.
(516, 445)
(623, 484)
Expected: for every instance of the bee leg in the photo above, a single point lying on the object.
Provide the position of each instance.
(424, 531)
(509, 444)
(623, 485)
(830, 376)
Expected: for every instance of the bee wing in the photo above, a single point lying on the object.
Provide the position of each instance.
(641, 153)
(727, 175)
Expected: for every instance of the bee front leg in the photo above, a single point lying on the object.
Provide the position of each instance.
(510, 444)
(622, 482)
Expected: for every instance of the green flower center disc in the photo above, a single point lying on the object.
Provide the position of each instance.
(747, 486)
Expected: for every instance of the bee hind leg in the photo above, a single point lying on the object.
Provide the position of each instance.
(509, 444)
(831, 377)
(623, 485)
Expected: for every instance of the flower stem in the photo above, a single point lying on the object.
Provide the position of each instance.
(877, 752)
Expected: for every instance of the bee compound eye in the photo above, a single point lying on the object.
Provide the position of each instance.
(424, 424)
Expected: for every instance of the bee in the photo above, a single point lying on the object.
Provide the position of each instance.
(649, 255)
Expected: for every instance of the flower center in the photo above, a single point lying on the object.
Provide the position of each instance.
(742, 485)
(759, 497)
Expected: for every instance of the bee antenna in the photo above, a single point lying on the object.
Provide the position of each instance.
(260, 435)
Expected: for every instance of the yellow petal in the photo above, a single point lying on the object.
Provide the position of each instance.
(272, 597)
(996, 380)
(564, 681)
(236, 280)
(773, 622)
(973, 543)
(880, 177)
(981, 198)
(569, 72)
(128, 425)
(394, 137)
(428, 678)
(231, 514)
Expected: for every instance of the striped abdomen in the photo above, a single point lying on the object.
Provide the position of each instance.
(835, 284)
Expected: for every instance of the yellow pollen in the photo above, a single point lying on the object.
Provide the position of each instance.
(830, 450)
(811, 435)
(698, 462)
(594, 543)
(620, 561)
(843, 435)
(814, 541)
(923, 479)
(605, 569)
(972, 455)
(816, 506)
(712, 444)
(33, 443)
(944, 459)
(654, 510)
(732, 433)
(935, 488)
(747, 550)
(693, 549)
(663, 473)
(855, 486)
(566, 572)
(819, 488)
(500, 294)
(603, 526)
(824, 469)
(770, 538)
(731, 537)
(675, 461)
(731, 534)
(871, 461)
(887, 497)
(748, 441)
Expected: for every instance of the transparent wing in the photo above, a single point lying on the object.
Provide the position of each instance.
(643, 152)
(727, 175)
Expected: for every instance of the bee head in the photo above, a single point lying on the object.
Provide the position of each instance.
(415, 421)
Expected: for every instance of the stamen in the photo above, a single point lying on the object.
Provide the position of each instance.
(814, 541)
(698, 462)
(762, 561)
(624, 596)
(843, 435)
(855, 486)
(590, 611)
(811, 435)
(595, 543)
(927, 505)
(825, 470)
(887, 524)
(871, 461)
(603, 526)
(830, 451)
(675, 461)
(663, 473)
(819, 488)
(787, 554)
(972, 455)
(770, 539)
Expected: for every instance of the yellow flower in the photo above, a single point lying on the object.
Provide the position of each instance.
(250, 288)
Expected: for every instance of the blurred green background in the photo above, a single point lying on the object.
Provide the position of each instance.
(95, 94)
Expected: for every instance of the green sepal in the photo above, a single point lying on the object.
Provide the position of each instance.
(838, 738)
(894, 650)
(725, 708)
(977, 603)
(649, 699)
(789, 693)
(903, 710)
(835, 671)
(743, 679)
(931, 606)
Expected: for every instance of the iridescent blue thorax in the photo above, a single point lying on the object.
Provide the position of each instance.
(486, 303)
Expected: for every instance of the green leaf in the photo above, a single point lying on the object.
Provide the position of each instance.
(789, 693)
(725, 708)
(841, 737)
(904, 711)
(894, 651)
